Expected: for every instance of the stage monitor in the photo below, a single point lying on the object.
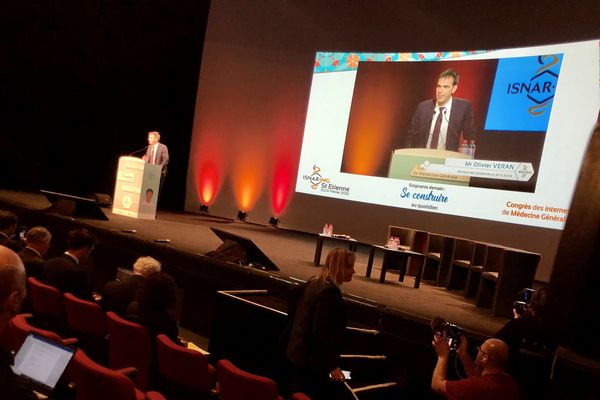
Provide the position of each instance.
(254, 256)
(74, 206)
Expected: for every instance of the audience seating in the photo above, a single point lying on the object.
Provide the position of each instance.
(87, 321)
(20, 328)
(505, 273)
(129, 345)
(187, 370)
(47, 305)
(235, 384)
(300, 396)
(95, 382)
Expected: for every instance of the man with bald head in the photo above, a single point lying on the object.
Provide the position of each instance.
(12, 293)
(486, 378)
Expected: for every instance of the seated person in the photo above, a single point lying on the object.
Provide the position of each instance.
(12, 292)
(486, 378)
(117, 295)
(66, 272)
(8, 225)
(38, 243)
(155, 306)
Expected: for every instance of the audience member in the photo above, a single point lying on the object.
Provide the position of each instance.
(12, 293)
(531, 344)
(155, 306)
(529, 331)
(117, 295)
(66, 272)
(38, 243)
(318, 323)
(486, 378)
(8, 225)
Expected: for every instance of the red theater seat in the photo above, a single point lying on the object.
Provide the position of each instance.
(187, 369)
(95, 382)
(235, 384)
(47, 305)
(129, 345)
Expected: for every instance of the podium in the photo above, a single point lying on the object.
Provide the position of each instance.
(136, 188)
(411, 164)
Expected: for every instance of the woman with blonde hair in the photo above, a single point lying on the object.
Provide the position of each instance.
(318, 321)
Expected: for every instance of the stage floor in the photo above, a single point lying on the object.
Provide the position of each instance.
(293, 253)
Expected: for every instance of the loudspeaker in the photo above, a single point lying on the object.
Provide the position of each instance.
(102, 199)
(73, 206)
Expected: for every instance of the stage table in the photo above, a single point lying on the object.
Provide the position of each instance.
(352, 244)
(395, 260)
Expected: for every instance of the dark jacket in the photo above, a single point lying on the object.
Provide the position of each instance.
(118, 294)
(318, 327)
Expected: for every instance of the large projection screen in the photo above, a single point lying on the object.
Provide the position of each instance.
(254, 103)
(534, 110)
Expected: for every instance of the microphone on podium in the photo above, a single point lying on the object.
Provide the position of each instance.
(138, 151)
(454, 132)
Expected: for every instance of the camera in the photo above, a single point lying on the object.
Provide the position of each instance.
(452, 331)
(521, 305)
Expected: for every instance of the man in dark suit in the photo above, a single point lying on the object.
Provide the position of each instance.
(38, 242)
(439, 123)
(8, 225)
(157, 153)
(118, 294)
(66, 272)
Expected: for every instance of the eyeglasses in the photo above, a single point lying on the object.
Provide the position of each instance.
(479, 349)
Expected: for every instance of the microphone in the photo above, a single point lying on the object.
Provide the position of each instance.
(454, 132)
(139, 151)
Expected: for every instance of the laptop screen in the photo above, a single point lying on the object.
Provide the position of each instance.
(42, 361)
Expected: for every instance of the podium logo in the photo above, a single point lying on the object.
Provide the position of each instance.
(523, 92)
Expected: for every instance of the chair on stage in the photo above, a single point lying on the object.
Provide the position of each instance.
(129, 345)
(47, 305)
(87, 321)
(96, 382)
(405, 235)
(480, 252)
(235, 384)
(461, 259)
(183, 372)
(505, 273)
(438, 258)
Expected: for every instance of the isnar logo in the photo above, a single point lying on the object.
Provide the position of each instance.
(315, 178)
(541, 86)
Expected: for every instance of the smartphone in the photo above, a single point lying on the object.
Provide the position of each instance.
(22, 232)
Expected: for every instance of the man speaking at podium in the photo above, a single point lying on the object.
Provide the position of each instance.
(157, 153)
(438, 124)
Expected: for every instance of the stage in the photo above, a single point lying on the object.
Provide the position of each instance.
(293, 252)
